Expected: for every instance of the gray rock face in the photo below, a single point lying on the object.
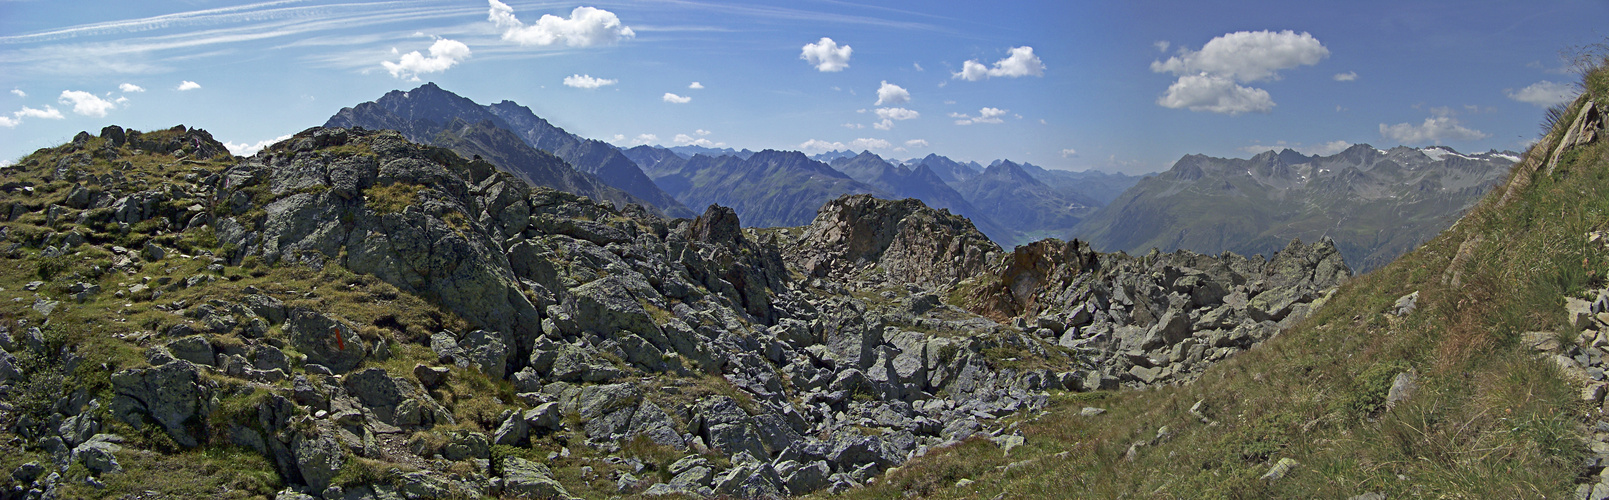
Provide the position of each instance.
(324, 340)
(169, 394)
(526, 479)
(318, 458)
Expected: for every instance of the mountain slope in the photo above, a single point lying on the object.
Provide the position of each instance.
(1420, 379)
(920, 183)
(1101, 187)
(767, 189)
(587, 155)
(949, 170)
(1374, 204)
(424, 112)
(1005, 192)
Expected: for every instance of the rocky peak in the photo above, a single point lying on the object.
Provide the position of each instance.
(905, 239)
(719, 225)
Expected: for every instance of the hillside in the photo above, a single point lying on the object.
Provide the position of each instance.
(767, 189)
(347, 314)
(590, 168)
(921, 183)
(1452, 372)
(1005, 192)
(1375, 204)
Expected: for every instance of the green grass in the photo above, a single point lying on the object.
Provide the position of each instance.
(1489, 419)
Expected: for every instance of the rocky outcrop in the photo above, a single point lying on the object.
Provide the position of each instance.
(905, 239)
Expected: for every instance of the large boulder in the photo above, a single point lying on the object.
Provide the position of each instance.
(324, 340)
(169, 394)
(527, 479)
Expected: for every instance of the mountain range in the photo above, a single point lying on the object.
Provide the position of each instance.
(1374, 204)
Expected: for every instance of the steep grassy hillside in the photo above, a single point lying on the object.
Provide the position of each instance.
(1489, 417)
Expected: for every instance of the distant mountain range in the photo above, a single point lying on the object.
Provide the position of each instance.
(431, 115)
(769, 188)
(1375, 205)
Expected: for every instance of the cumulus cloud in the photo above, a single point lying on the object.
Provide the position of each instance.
(985, 115)
(696, 86)
(1346, 77)
(687, 140)
(669, 97)
(897, 113)
(1320, 149)
(443, 54)
(85, 103)
(868, 143)
(1070, 152)
(1022, 62)
(826, 55)
(864, 143)
(189, 85)
(49, 113)
(1210, 79)
(916, 143)
(129, 87)
(889, 93)
(701, 132)
(585, 27)
(19, 93)
(1161, 45)
(1216, 94)
(886, 124)
(642, 139)
(587, 81)
(1544, 94)
(16, 117)
(1434, 130)
(248, 149)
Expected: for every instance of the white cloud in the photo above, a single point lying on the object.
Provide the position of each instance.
(1070, 152)
(19, 92)
(818, 145)
(918, 66)
(687, 140)
(897, 113)
(189, 85)
(886, 124)
(701, 132)
(669, 97)
(586, 27)
(443, 54)
(49, 113)
(121, 100)
(868, 143)
(645, 139)
(85, 103)
(618, 139)
(889, 93)
(1216, 94)
(129, 87)
(1346, 77)
(1435, 130)
(854, 125)
(1161, 45)
(587, 81)
(916, 143)
(826, 55)
(1320, 149)
(9, 122)
(696, 86)
(985, 115)
(1544, 94)
(1022, 62)
(1209, 79)
(244, 149)
(1247, 56)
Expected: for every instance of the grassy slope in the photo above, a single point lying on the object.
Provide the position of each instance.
(1490, 419)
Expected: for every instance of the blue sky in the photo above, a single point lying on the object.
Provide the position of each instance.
(1116, 86)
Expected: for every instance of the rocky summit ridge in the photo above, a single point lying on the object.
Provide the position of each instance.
(348, 314)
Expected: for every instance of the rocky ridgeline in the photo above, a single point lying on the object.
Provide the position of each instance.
(764, 362)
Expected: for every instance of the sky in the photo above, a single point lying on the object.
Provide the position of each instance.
(1118, 86)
